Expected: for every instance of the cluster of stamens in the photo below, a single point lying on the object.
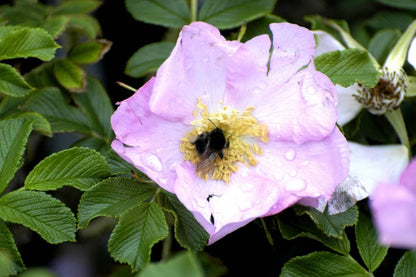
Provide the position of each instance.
(387, 95)
(243, 133)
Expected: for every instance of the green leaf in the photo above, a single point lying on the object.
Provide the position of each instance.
(9, 105)
(96, 104)
(136, 232)
(188, 232)
(11, 82)
(50, 103)
(42, 213)
(55, 25)
(86, 24)
(78, 167)
(112, 197)
(261, 26)
(42, 76)
(117, 164)
(292, 226)
(40, 123)
(390, 20)
(38, 272)
(323, 264)
(92, 142)
(24, 42)
(382, 42)
(69, 75)
(76, 6)
(26, 13)
(173, 13)
(232, 13)
(370, 249)
(319, 23)
(183, 264)
(406, 266)
(334, 225)
(10, 261)
(148, 58)
(348, 67)
(89, 52)
(13, 136)
(403, 4)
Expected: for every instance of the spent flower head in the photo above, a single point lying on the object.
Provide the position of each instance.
(236, 130)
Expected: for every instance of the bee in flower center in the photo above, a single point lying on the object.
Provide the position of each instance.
(209, 146)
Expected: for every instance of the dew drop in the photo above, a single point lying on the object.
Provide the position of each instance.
(304, 163)
(293, 173)
(152, 162)
(296, 185)
(290, 155)
(162, 181)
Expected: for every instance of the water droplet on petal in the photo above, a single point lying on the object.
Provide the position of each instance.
(304, 163)
(152, 162)
(290, 155)
(295, 185)
(162, 181)
(293, 173)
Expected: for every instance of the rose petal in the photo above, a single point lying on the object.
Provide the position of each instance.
(408, 178)
(231, 206)
(309, 172)
(293, 48)
(247, 73)
(377, 164)
(196, 68)
(394, 214)
(146, 140)
(302, 109)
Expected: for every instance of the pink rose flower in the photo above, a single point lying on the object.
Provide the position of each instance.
(235, 130)
(394, 210)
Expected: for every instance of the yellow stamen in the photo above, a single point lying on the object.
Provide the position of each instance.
(241, 130)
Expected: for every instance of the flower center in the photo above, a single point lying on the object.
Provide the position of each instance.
(219, 140)
(386, 95)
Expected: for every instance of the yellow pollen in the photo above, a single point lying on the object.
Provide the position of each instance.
(243, 134)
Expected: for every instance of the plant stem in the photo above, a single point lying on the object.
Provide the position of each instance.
(194, 9)
(395, 118)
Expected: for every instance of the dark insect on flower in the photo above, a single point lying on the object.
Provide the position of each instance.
(209, 146)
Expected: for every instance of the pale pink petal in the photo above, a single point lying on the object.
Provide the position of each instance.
(348, 107)
(247, 73)
(146, 140)
(302, 109)
(408, 178)
(308, 172)
(293, 48)
(394, 214)
(246, 197)
(196, 68)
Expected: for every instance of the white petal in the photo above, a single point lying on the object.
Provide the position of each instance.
(348, 107)
(411, 56)
(372, 165)
(369, 166)
(326, 43)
